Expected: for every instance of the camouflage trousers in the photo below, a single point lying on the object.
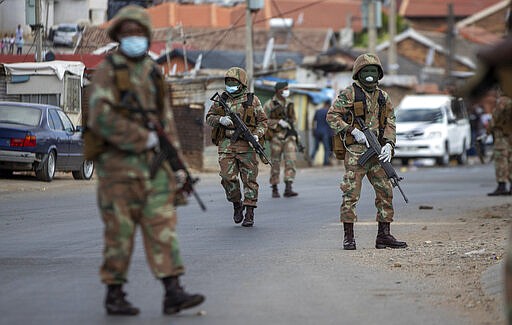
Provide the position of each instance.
(351, 186)
(503, 157)
(287, 149)
(128, 202)
(244, 164)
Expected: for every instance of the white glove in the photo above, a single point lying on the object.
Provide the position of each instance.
(385, 153)
(226, 121)
(152, 140)
(284, 124)
(255, 138)
(360, 137)
(180, 176)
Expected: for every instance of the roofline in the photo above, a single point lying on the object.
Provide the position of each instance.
(426, 41)
(482, 14)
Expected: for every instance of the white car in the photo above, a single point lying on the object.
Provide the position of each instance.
(65, 34)
(432, 126)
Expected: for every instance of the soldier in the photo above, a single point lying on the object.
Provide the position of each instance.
(377, 112)
(236, 156)
(126, 84)
(281, 116)
(501, 129)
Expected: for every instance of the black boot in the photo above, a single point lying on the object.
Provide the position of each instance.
(115, 304)
(385, 239)
(500, 190)
(275, 192)
(349, 243)
(249, 216)
(176, 298)
(288, 192)
(238, 214)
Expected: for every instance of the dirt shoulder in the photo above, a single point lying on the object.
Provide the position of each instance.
(453, 252)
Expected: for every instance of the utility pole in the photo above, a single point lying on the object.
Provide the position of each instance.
(392, 57)
(450, 40)
(38, 30)
(372, 28)
(249, 63)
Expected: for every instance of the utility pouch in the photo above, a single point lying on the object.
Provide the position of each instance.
(338, 147)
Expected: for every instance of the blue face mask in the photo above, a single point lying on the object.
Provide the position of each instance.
(231, 89)
(134, 46)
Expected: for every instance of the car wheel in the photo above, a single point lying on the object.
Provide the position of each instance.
(86, 170)
(405, 161)
(444, 160)
(462, 159)
(47, 170)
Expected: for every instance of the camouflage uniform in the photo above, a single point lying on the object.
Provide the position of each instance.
(126, 194)
(354, 174)
(238, 157)
(379, 117)
(501, 129)
(281, 146)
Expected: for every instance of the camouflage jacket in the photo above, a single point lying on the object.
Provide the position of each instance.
(502, 116)
(342, 111)
(276, 110)
(256, 122)
(125, 132)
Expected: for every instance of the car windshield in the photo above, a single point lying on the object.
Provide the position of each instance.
(20, 115)
(433, 115)
(67, 29)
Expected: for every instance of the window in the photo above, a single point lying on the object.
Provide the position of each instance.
(68, 126)
(54, 120)
(50, 99)
(72, 97)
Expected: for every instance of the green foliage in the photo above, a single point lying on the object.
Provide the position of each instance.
(361, 39)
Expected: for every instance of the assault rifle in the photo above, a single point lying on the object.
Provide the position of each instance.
(169, 153)
(375, 149)
(292, 132)
(241, 130)
(166, 150)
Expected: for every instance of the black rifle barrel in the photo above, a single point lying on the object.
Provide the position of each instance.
(375, 149)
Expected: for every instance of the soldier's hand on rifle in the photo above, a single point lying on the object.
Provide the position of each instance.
(284, 124)
(360, 137)
(226, 121)
(181, 176)
(152, 140)
(385, 153)
(255, 138)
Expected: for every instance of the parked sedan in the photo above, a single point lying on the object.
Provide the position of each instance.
(40, 138)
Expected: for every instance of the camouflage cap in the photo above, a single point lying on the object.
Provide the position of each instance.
(238, 74)
(133, 13)
(364, 60)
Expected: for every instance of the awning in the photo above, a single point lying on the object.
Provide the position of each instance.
(50, 68)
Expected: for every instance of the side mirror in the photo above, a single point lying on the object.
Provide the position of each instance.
(452, 121)
(79, 128)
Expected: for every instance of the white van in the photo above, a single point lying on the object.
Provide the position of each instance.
(432, 126)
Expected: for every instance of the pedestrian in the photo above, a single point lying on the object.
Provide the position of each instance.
(12, 40)
(127, 91)
(322, 133)
(236, 157)
(4, 44)
(500, 127)
(364, 99)
(281, 116)
(19, 40)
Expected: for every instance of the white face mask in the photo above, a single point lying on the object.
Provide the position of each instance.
(285, 93)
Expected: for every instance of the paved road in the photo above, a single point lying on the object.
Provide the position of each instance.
(288, 269)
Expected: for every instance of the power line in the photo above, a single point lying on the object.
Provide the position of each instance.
(281, 15)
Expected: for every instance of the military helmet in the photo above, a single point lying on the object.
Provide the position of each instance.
(364, 60)
(130, 12)
(238, 74)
